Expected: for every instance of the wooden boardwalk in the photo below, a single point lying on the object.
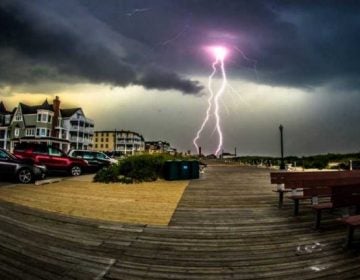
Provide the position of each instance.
(227, 226)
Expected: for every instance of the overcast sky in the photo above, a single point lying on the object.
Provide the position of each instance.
(141, 65)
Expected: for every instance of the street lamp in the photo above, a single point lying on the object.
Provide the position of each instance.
(282, 163)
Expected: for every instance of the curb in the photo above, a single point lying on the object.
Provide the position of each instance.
(48, 181)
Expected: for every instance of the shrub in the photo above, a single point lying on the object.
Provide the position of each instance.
(139, 168)
(143, 167)
(316, 163)
(107, 174)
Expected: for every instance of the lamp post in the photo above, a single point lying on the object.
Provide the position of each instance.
(282, 163)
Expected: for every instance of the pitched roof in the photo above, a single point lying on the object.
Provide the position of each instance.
(26, 109)
(65, 113)
(3, 109)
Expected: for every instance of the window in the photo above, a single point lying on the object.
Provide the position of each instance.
(101, 146)
(76, 154)
(17, 132)
(107, 134)
(101, 156)
(106, 146)
(44, 117)
(96, 146)
(107, 140)
(43, 132)
(7, 119)
(3, 155)
(18, 117)
(48, 132)
(30, 132)
(88, 155)
(55, 152)
(102, 140)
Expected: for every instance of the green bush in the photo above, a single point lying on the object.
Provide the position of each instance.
(107, 174)
(139, 168)
(143, 167)
(316, 163)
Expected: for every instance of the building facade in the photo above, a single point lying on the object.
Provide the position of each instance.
(5, 119)
(104, 141)
(129, 142)
(79, 128)
(124, 142)
(159, 147)
(48, 124)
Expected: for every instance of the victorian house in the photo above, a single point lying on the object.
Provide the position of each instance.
(49, 124)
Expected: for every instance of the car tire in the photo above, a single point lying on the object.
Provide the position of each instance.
(75, 170)
(25, 176)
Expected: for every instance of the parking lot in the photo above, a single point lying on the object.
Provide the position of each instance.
(50, 178)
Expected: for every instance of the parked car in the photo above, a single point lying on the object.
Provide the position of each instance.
(25, 171)
(96, 160)
(52, 157)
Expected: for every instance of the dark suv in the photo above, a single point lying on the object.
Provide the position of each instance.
(23, 170)
(96, 160)
(52, 157)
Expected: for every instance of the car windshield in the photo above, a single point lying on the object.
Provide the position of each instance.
(101, 156)
(4, 155)
(55, 152)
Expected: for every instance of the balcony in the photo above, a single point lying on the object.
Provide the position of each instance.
(76, 128)
(76, 139)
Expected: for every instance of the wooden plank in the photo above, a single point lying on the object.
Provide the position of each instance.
(226, 226)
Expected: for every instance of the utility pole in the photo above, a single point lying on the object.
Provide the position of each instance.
(282, 163)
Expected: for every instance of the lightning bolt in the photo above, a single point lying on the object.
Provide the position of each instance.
(214, 98)
(216, 101)
(210, 101)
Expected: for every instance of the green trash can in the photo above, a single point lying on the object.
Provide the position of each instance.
(195, 169)
(181, 170)
(172, 170)
(185, 170)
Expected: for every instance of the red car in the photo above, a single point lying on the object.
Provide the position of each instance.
(52, 157)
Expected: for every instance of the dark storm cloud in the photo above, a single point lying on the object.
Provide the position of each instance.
(43, 41)
(292, 43)
(155, 78)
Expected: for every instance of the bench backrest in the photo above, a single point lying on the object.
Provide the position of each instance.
(322, 183)
(316, 178)
(344, 196)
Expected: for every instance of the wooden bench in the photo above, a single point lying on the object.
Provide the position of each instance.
(294, 180)
(309, 193)
(341, 196)
(352, 223)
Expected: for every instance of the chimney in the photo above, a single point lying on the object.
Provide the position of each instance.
(56, 108)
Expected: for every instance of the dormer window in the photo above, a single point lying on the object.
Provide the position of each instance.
(44, 117)
(18, 117)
